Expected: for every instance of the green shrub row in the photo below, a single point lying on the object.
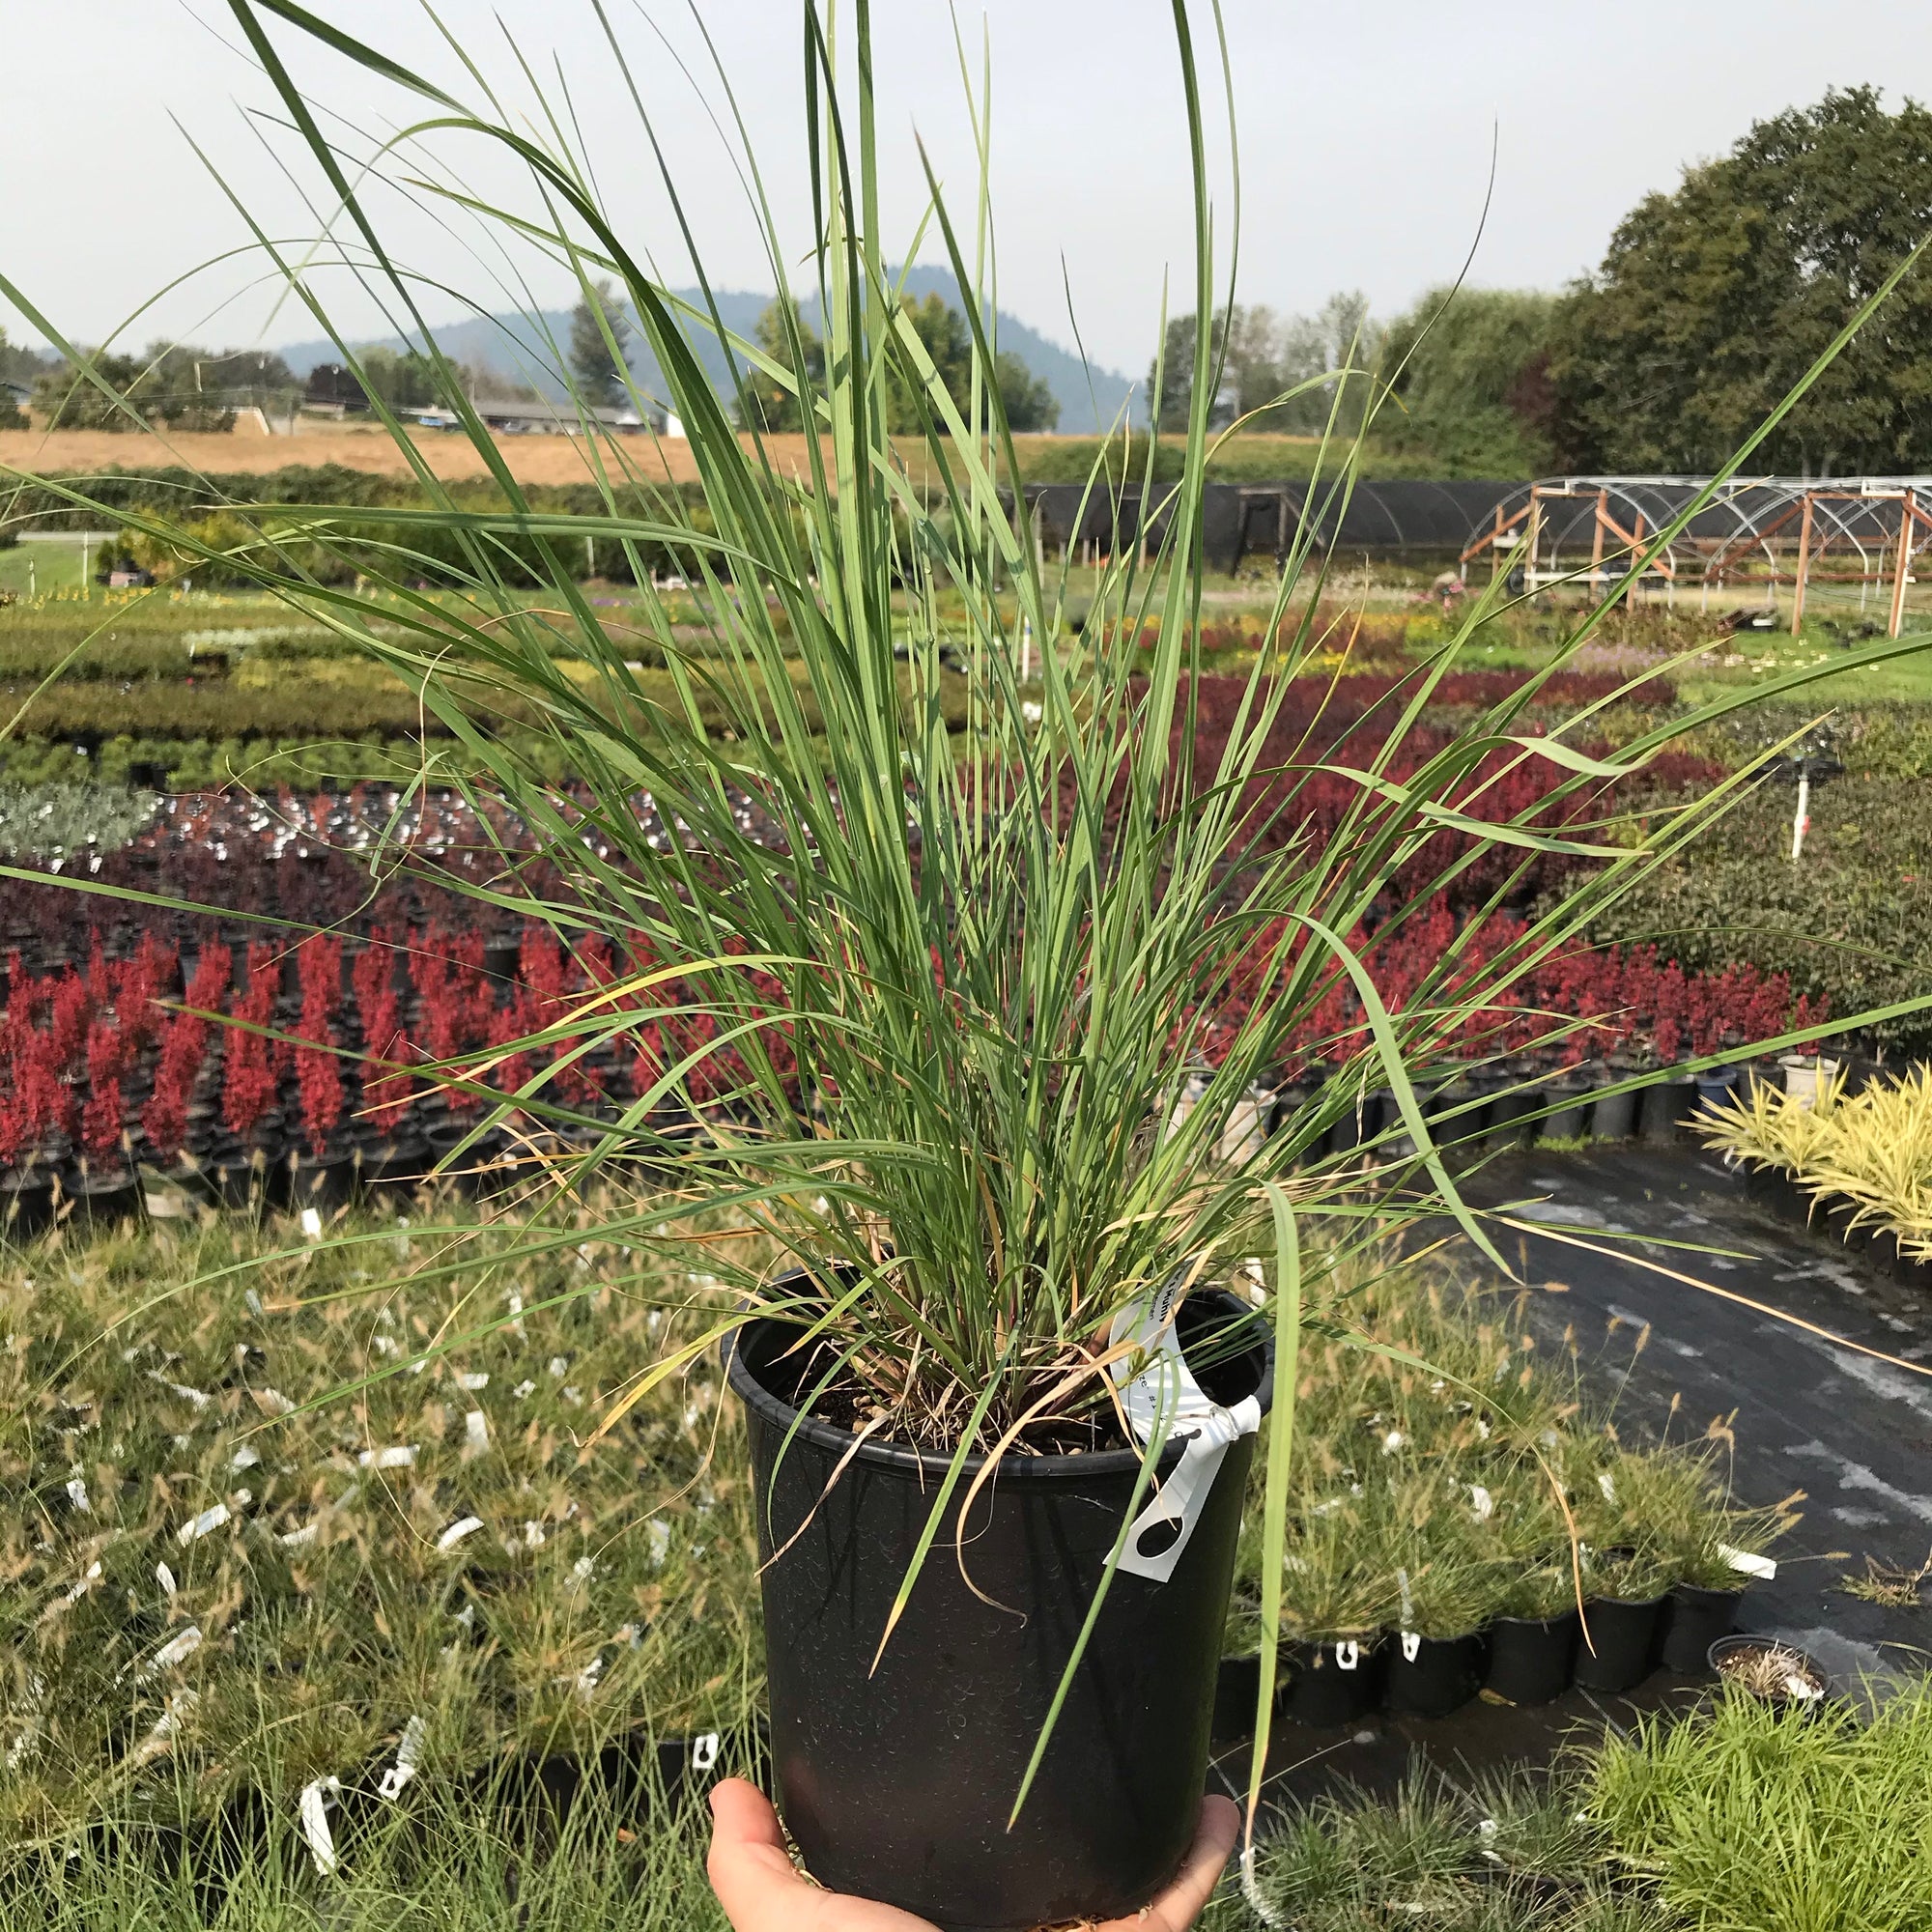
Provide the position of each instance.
(1850, 923)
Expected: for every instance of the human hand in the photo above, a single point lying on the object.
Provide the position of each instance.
(761, 1891)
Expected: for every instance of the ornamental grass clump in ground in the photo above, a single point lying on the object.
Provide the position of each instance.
(997, 886)
(1754, 1814)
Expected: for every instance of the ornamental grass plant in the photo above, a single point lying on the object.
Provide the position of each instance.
(1871, 1149)
(1751, 1814)
(993, 878)
(1450, 1466)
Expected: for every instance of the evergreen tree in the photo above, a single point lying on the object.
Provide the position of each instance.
(790, 341)
(599, 373)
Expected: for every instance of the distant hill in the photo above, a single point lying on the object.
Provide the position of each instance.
(515, 346)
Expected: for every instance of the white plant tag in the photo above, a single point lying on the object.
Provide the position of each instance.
(464, 1527)
(409, 1758)
(175, 1650)
(1411, 1646)
(1748, 1565)
(704, 1751)
(204, 1524)
(1164, 1398)
(1348, 1653)
(314, 1809)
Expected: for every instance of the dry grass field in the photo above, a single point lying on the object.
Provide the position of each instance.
(533, 459)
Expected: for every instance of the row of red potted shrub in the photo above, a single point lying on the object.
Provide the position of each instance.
(244, 1058)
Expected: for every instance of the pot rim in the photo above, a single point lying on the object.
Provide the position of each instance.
(1705, 1590)
(1742, 1641)
(1662, 1597)
(887, 1454)
(1537, 1622)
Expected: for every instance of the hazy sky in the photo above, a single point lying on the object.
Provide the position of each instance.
(1366, 134)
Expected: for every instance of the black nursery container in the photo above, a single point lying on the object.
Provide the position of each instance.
(1530, 1658)
(1432, 1676)
(1623, 1632)
(1693, 1619)
(896, 1782)
(1613, 1117)
(1571, 1100)
(104, 1198)
(1667, 1106)
(27, 1202)
(1331, 1684)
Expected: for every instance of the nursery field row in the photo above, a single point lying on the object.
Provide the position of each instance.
(1859, 1162)
(123, 1058)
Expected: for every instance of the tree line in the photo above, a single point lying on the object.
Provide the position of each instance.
(1709, 305)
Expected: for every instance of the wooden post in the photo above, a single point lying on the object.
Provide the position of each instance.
(1803, 566)
(1905, 506)
(1597, 547)
(1534, 534)
(1497, 545)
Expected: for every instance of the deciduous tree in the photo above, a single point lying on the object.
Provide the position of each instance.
(1714, 299)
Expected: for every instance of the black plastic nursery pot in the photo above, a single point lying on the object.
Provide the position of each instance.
(1776, 1189)
(1237, 1692)
(1805, 1668)
(1621, 1647)
(27, 1202)
(1432, 1676)
(248, 1181)
(324, 1184)
(1693, 1619)
(1571, 1099)
(1613, 1116)
(393, 1166)
(1335, 1683)
(104, 1198)
(1667, 1105)
(897, 1781)
(1530, 1658)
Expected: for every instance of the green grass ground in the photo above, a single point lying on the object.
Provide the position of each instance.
(36, 569)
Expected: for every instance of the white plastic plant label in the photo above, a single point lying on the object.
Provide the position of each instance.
(1411, 1646)
(409, 1760)
(1745, 1564)
(313, 1808)
(175, 1651)
(1164, 1398)
(1348, 1654)
(704, 1751)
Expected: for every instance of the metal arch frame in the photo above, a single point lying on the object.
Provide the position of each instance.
(1754, 513)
